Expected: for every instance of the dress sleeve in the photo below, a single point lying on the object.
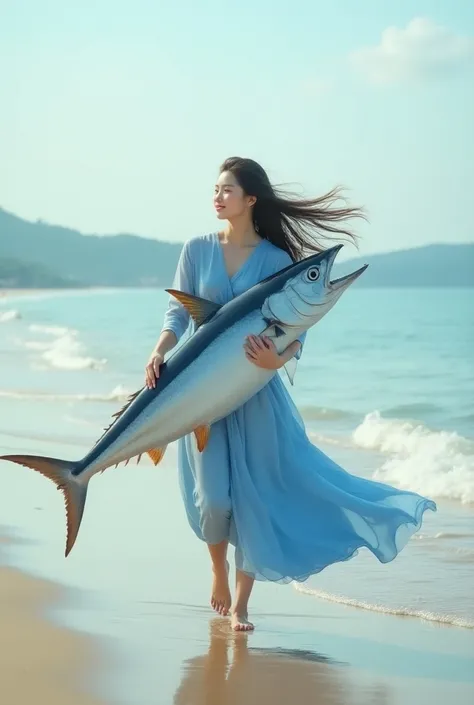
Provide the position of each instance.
(176, 317)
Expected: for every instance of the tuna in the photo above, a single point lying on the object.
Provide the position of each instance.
(204, 379)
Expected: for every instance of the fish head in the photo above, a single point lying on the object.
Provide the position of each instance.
(303, 292)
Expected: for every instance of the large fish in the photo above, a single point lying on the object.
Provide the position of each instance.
(205, 379)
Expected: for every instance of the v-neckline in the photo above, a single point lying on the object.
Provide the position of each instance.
(244, 263)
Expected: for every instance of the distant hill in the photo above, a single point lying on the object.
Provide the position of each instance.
(42, 255)
(119, 260)
(15, 273)
(429, 266)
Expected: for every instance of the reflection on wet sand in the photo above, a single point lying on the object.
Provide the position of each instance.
(231, 673)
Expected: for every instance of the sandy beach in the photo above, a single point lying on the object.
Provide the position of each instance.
(170, 648)
(40, 662)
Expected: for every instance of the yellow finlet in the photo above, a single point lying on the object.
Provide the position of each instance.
(202, 436)
(156, 454)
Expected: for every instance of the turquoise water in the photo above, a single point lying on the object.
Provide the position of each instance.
(385, 384)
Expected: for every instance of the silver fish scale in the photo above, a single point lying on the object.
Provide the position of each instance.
(219, 380)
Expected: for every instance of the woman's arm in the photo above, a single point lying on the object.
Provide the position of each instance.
(293, 350)
(165, 343)
(176, 319)
(261, 350)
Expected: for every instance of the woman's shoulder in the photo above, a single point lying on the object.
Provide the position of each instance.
(279, 257)
(197, 243)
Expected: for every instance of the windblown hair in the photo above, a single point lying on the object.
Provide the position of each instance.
(298, 226)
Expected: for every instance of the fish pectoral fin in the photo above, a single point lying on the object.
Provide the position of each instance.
(276, 325)
(156, 454)
(200, 309)
(202, 436)
(290, 369)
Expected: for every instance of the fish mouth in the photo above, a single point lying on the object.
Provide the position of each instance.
(337, 284)
(347, 279)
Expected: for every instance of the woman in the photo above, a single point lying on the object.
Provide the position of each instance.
(260, 484)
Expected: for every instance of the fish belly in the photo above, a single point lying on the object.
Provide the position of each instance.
(216, 383)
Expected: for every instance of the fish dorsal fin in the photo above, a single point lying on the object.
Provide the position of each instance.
(200, 309)
(120, 412)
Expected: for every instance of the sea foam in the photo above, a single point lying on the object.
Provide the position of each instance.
(7, 316)
(119, 393)
(61, 348)
(433, 463)
(400, 611)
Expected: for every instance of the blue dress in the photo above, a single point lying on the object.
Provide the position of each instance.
(287, 508)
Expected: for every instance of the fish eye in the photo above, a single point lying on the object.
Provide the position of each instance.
(313, 274)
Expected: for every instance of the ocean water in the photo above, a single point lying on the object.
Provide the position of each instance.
(386, 388)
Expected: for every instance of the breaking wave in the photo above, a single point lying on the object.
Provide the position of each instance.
(51, 330)
(433, 463)
(454, 620)
(61, 349)
(119, 393)
(322, 413)
(7, 316)
(442, 535)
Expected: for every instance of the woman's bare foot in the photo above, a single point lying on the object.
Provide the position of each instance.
(221, 598)
(243, 589)
(240, 623)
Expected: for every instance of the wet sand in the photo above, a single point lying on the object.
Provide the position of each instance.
(173, 652)
(40, 663)
(326, 657)
(169, 647)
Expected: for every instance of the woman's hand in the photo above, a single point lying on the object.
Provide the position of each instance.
(262, 352)
(152, 370)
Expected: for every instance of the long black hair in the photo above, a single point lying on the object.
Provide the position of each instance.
(298, 226)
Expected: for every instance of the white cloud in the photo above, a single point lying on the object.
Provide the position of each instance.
(421, 50)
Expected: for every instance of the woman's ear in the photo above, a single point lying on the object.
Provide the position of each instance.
(252, 201)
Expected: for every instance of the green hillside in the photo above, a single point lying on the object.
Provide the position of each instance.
(25, 275)
(120, 260)
(39, 254)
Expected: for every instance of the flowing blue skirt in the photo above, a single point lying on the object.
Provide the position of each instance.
(289, 510)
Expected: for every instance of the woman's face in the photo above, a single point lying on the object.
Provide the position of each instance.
(230, 201)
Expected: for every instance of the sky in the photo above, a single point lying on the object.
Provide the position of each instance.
(115, 115)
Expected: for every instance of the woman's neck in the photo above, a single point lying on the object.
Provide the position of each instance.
(240, 233)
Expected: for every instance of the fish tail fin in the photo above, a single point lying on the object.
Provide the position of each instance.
(60, 472)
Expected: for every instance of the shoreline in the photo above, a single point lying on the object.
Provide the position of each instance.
(332, 654)
(10, 293)
(42, 661)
